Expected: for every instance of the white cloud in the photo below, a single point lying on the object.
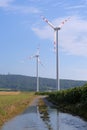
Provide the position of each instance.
(75, 7)
(5, 3)
(59, 3)
(8, 6)
(23, 9)
(72, 36)
(44, 33)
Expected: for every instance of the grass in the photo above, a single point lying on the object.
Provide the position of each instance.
(13, 103)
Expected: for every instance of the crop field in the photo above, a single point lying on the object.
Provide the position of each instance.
(13, 103)
(9, 93)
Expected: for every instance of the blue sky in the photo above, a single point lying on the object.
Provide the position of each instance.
(22, 30)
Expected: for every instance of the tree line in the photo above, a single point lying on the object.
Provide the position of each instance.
(28, 83)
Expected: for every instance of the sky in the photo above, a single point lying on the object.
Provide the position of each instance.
(22, 31)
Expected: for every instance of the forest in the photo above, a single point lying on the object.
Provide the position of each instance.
(28, 83)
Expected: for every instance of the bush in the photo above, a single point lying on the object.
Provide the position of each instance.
(70, 96)
(84, 96)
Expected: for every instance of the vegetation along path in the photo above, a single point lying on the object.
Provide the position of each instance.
(72, 100)
(13, 103)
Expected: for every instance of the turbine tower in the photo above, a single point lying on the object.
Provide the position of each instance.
(37, 66)
(56, 29)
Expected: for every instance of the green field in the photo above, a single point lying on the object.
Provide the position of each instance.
(13, 103)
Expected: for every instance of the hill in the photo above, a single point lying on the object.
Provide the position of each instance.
(27, 83)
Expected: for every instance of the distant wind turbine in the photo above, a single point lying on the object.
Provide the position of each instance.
(37, 66)
(56, 29)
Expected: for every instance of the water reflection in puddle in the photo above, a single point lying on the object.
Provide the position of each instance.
(45, 118)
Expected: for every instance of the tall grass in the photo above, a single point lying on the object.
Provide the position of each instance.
(11, 105)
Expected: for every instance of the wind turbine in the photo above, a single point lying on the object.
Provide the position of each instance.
(56, 29)
(37, 66)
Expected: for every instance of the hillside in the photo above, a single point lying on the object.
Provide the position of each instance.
(27, 83)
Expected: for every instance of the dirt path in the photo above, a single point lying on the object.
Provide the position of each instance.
(44, 99)
(36, 100)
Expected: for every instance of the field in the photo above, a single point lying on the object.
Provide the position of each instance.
(13, 103)
(9, 93)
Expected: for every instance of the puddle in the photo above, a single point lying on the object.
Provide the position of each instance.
(45, 118)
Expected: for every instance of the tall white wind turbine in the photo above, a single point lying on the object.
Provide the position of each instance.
(37, 66)
(56, 29)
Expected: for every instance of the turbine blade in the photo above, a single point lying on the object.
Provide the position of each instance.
(51, 25)
(36, 55)
(40, 62)
(63, 22)
(30, 57)
(38, 51)
(54, 41)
